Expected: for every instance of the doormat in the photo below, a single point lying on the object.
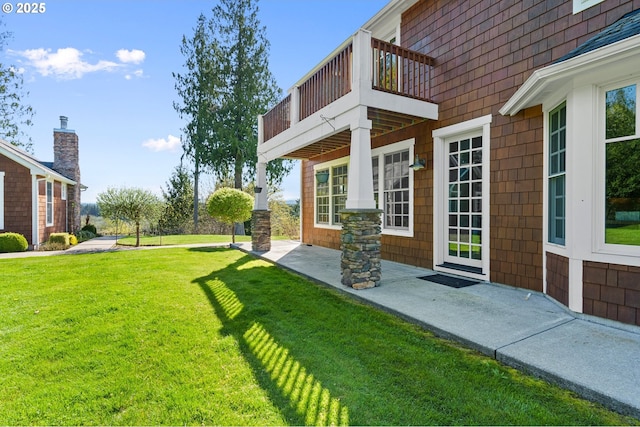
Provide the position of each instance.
(454, 282)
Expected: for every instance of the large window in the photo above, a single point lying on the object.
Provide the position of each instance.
(557, 174)
(396, 190)
(49, 188)
(331, 194)
(393, 187)
(622, 167)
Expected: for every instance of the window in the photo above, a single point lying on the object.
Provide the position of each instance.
(49, 218)
(63, 191)
(622, 175)
(396, 190)
(1, 200)
(322, 200)
(393, 187)
(338, 191)
(331, 195)
(557, 174)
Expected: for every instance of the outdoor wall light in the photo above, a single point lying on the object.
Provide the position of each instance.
(418, 164)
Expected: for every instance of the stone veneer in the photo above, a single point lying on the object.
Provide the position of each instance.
(261, 230)
(360, 245)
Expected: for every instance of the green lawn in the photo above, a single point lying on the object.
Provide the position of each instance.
(185, 239)
(214, 336)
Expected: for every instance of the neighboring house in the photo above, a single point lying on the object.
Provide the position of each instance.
(499, 140)
(39, 198)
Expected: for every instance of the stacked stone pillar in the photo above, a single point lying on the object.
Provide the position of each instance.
(261, 231)
(360, 245)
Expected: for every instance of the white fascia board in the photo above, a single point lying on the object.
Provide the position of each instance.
(388, 17)
(33, 166)
(399, 104)
(621, 57)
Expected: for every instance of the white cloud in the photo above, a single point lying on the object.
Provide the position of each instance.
(171, 143)
(136, 73)
(134, 56)
(66, 63)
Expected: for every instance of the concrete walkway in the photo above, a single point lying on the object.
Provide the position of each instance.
(598, 359)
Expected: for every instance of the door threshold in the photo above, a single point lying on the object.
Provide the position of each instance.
(460, 267)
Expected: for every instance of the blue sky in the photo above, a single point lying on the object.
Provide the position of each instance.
(107, 66)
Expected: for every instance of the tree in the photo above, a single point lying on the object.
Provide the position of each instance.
(249, 89)
(132, 204)
(197, 88)
(230, 206)
(14, 115)
(178, 200)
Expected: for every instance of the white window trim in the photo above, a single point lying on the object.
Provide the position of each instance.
(600, 187)
(376, 152)
(46, 202)
(321, 166)
(440, 167)
(380, 152)
(1, 200)
(63, 191)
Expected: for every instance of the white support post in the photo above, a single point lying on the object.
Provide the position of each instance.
(360, 173)
(261, 202)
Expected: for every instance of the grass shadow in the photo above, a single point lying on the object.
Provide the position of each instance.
(302, 397)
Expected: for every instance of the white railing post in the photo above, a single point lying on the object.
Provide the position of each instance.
(362, 57)
(294, 106)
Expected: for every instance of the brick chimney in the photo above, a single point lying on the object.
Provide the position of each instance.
(66, 162)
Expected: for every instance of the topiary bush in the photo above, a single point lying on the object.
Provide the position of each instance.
(61, 238)
(13, 242)
(91, 228)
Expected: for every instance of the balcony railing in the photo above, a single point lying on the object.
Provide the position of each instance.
(329, 83)
(278, 119)
(400, 71)
(394, 70)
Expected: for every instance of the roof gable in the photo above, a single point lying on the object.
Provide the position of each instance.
(34, 165)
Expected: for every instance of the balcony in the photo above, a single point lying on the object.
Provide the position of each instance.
(391, 83)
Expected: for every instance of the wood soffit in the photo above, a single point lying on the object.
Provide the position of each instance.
(383, 122)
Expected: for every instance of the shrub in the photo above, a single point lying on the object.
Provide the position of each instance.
(73, 240)
(62, 238)
(52, 246)
(84, 235)
(91, 228)
(13, 242)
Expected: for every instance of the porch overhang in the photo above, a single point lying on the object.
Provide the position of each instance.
(329, 129)
(554, 81)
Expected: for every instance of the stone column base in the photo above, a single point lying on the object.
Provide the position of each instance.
(261, 231)
(360, 245)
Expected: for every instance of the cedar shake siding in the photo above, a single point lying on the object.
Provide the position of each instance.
(500, 73)
(17, 198)
(612, 291)
(558, 278)
(59, 211)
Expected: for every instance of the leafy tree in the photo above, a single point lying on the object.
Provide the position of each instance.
(132, 204)
(197, 87)
(230, 206)
(178, 199)
(14, 114)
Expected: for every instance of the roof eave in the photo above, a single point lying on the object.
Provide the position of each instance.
(548, 79)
